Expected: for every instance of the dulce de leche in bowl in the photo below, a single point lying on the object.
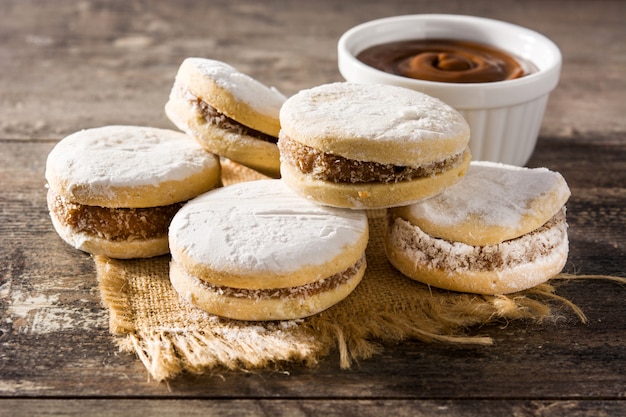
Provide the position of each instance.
(446, 60)
(496, 74)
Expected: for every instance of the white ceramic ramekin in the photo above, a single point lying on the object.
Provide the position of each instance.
(504, 116)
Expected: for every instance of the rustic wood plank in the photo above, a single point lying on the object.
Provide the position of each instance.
(326, 407)
(596, 210)
(71, 65)
(55, 340)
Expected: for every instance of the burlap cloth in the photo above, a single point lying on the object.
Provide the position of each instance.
(171, 337)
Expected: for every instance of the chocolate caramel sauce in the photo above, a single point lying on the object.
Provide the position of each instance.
(445, 60)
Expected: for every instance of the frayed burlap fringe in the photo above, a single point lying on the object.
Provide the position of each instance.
(171, 337)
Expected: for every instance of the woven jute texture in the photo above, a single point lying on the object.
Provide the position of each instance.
(171, 337)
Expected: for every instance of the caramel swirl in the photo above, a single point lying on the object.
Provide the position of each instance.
(445, 60)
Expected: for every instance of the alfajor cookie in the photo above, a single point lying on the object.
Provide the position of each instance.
(502, 229)
(257, 251)
(370, 145)
(113, 190)
(228, 112)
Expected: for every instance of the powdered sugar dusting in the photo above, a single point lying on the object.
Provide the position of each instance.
(459, 257)
(262, 226)
(494, 194)
(126, 156)
(516, 264)
(373, 112)
(264, 99)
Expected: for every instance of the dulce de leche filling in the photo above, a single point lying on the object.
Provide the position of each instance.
(329, 167)
(212, 115)
(301, 291)
(445, 60)
(113, 224)
(218, 119)
(455, 256)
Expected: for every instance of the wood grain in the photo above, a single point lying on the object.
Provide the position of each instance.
(71, 65)
(327, 407)
(55, 338)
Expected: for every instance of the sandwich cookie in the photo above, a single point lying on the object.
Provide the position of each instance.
(113, 190)
(368, 146)
(502, 229)
(257, 251)
(228, 112)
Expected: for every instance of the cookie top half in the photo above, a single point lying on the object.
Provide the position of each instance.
(130, 166)
(374, 122)
(260, 234)
(493, 203)
(232, 93)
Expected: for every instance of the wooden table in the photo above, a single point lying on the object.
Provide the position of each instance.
(68, 65)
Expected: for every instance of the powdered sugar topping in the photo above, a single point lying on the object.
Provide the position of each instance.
(496, 195)
(264, 99)
(373, 112)
(262, 226)
(126, 156)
